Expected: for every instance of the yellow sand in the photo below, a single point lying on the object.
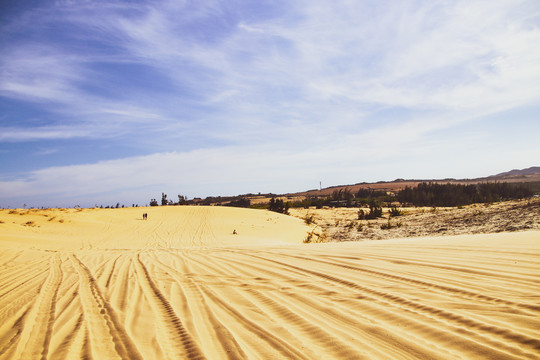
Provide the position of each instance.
(105, 284)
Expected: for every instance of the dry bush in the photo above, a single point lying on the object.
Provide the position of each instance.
(315, 236)
(308, 219)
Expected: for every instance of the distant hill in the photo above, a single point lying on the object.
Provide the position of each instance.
(531, 174)
(516, 172)
(528, 175)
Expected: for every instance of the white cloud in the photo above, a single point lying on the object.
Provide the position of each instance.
(382, 154)
(318, 58)
(39, 73)
(197, 172)
(311, 81)
(12, 134)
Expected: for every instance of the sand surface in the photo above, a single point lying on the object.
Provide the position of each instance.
(104, 284)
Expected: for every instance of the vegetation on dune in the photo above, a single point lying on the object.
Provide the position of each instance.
(512, 215)
(242, 202)
(394, 211)
(375, 211)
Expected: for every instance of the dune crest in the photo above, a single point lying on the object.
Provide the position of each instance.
(170, 226)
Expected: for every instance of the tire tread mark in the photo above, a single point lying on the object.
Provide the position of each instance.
(373, 332)
(430, 311)
(35, 337)
(14, 274)
(337, 347)
(175, 340)
(19, 281)
(218, 329)
(106, 336)
(446, 289)
(275, 342)
(16, 330)
(22, 296)
(331, 343)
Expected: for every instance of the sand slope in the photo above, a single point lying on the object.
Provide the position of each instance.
(105, 284)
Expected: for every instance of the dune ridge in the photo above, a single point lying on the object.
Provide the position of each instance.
(181, 285)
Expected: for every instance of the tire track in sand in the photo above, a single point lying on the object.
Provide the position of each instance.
(8, 347)
(367, 330)
(254, 336)
(35, 336)
(300, 325)
(19, 278)
(442, 288)
(17, 269)
(22, 295)
(119, 291)
(173, 337)
(207, 326)
(475, 328)
(107, 337)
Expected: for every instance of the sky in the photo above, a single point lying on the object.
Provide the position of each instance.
(118, 101)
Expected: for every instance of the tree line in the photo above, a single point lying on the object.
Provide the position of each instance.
(424, 194)
(434, 194)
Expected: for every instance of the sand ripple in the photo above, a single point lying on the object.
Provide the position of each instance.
(434, 298)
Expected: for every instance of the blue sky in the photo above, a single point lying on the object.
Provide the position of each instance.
(118, 101)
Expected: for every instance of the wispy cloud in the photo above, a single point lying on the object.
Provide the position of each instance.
(315, 55)
(318, 78)
(240, 169)
(44, 133)
(38, 73)
(192, 172)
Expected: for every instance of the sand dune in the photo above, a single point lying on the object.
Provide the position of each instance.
(106, 284)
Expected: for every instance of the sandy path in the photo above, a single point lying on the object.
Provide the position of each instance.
(185, 293)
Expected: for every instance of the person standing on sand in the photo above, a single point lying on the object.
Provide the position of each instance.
(234, 232)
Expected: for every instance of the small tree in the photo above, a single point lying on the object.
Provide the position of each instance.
(153, 202)
(375, 211)
(182, 200)
(279, 206)
(163, 199)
